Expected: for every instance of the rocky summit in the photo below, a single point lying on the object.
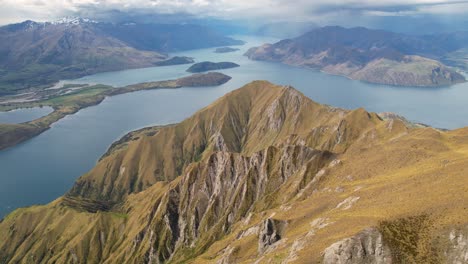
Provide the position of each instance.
(262, 175)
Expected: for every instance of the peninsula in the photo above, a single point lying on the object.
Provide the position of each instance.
(374, 56)
(70, 102)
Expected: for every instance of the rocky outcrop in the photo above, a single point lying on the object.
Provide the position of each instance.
(347, 203)
(370, 246)
(270, 233)
(212, 196)
(367, 247)
(457, 251)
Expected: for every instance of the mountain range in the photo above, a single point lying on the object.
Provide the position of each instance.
(375, 56)
(34, 55)
(262, 175)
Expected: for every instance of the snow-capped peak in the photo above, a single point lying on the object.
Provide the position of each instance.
(30, 24)
(72, 21)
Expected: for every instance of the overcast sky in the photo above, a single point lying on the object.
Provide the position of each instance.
(268, 10)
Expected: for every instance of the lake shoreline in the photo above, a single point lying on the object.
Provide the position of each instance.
(54, 159)
(69, 104)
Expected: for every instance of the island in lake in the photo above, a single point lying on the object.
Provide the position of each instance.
(211, 66)
(177, 60)
(225, 50)
(35, 55)
(67, 101)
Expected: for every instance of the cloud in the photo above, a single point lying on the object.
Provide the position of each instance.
(16, 10)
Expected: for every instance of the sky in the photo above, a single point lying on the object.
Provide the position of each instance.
(320, 11)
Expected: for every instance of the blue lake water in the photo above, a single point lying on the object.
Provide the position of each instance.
(23, 115)
(45, 167)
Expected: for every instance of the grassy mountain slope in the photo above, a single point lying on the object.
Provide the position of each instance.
(36, 54)
(263, 174)
(250, 120)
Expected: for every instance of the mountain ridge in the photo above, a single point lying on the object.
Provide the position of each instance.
(227, 135)
(264, 175)
(34, 55)
(375, 56)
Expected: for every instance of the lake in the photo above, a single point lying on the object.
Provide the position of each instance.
(24, 115)
(45, 167)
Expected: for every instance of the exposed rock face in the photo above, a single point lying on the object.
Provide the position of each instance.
(367, 247)
(457, 252)
(250, 121)
(369, 55)
(271, 231)
(226, 258)
(214, 195)
(347, 203)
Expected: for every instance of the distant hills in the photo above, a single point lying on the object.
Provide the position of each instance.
(36, 54)
(370, 55)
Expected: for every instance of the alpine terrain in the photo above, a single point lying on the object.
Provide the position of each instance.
(262, 175)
